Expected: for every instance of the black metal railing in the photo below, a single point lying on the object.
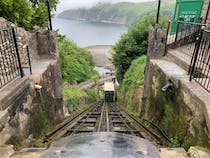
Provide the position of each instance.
(10, 63)
(200, 63)
(29, 59)
(193, 39)
(185, 36)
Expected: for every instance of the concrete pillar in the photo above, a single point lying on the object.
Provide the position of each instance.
(156, 43)
(47, 44)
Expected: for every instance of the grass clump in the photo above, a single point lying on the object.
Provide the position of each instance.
(131, 88)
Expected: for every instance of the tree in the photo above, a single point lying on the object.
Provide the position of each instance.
(17, 11)
(26, 13)
(133, 44)
(40, 16)
(76, 63)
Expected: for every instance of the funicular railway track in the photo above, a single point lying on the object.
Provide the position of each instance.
(103, 117)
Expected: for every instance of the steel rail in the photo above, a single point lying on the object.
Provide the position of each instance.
(142, 126)
(101, 119)
(67, 122)
(116, 110)
(107, 119)
(80, 125)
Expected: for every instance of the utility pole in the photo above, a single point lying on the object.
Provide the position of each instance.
(49, 15)
(158, 12)
(157, 18)
(207, 13)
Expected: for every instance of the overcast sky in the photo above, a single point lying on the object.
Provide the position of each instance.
(72, 4)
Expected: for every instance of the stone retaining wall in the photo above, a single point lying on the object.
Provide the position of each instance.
(42, 43)
(25, 112)
(29, 113)
(182, 110)
(178, 110)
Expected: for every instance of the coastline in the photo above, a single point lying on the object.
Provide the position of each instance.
(92, 20)
(101, 55)
(98, 46)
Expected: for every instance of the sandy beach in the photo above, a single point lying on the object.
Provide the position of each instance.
(101, 55)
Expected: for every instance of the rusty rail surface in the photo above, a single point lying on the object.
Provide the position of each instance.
(103, 117)
(69, 121)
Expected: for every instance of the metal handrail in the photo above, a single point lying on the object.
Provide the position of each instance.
(193, 23)
(194, 40)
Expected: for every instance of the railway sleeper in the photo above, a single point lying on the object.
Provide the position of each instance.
(94, 113)
(85, 125)
(69, 132)
(117, 116)
(119, 122)
(88, 121)
(148, 134)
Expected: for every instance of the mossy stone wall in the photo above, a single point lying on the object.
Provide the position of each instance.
(48, 102)
(175, 110)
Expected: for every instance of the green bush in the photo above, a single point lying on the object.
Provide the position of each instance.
(91, 94)
(132, 81)
(76, 63)
(175, 142)
(26, 13)
(74, 97)
(133, 44)
(76, 66)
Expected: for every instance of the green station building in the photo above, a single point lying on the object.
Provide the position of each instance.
(187, 10)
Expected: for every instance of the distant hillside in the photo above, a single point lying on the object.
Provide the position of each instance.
(121, 13)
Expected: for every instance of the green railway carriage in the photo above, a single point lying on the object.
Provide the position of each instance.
(109, 92)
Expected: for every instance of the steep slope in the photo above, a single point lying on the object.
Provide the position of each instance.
(132, 87)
